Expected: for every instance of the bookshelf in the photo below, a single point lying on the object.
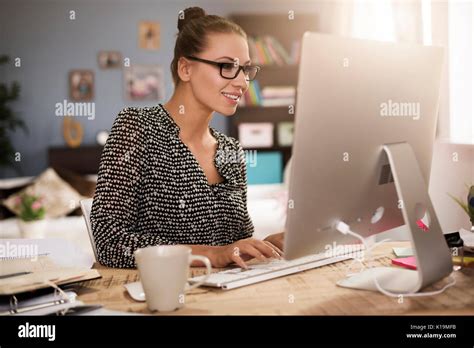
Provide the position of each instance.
(285, 31)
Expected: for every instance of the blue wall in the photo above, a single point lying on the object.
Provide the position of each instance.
(50, 45)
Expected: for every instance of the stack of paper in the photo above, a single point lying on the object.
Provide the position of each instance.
(28, 267)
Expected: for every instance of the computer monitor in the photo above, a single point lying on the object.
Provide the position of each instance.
(365, 123)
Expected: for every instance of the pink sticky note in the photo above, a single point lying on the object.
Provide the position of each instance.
(407, 262)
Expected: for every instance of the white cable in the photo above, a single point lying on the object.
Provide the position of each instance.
(361, 260)
(60, 292)
(345, 229)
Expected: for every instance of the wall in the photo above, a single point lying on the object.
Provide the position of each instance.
(50, 44)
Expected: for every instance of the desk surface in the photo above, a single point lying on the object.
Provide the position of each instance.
(312, 292)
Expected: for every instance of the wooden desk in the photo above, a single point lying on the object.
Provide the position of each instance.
(312, 292)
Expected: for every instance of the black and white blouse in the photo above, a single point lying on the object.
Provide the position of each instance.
(151, 190)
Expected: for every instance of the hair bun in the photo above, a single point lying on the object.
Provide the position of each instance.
(189, 14)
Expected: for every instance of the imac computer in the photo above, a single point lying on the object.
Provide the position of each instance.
(365, 124)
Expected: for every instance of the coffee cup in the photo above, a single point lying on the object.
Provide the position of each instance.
(164, 273)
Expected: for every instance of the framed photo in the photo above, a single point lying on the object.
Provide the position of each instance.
(144, 82)
(81, 85)
(109, 59)
(285, 133)
(149, 35)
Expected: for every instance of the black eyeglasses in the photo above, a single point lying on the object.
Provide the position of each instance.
(230, 70)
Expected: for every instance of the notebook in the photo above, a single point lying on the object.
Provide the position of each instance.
(403, 252)
(39, 271)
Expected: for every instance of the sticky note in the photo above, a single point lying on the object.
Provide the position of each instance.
(407, 262)
(403, 252)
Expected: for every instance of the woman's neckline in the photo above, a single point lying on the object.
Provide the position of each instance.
(214, 134)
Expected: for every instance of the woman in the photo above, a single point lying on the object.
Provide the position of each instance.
(165, 176)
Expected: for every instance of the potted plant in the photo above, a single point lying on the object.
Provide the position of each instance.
(9, 121)
(467, 206)
(31, 216)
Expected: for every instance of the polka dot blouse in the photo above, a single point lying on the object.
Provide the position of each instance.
(151, 190)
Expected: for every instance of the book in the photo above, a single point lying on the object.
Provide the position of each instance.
(277, 102)
(276, 58)
(268, 57)
(278, 92)
(252, 49)
(258, 94)
(266, 50)
(280, 49)
(260, 52)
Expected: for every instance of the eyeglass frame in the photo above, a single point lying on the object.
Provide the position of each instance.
(221, 64)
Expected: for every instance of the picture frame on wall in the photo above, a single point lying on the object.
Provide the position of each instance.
(144, 82)
(149, 35)
(286, 133)
(81, 85)
(109, 59)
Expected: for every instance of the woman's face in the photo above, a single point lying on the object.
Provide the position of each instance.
(205, 80)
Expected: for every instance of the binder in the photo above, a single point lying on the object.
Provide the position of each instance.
(53, 301)
(52, 304)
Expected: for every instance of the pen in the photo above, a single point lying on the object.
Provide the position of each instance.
(13, 275)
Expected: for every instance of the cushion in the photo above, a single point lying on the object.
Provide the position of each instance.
(60, 198)
(80, 183)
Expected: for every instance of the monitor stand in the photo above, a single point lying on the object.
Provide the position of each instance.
(433, 258)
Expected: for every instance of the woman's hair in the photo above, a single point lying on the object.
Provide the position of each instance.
(194, 26)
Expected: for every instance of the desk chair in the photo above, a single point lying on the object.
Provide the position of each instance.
(86, 207)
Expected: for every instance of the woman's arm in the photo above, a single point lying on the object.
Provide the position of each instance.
(114, 212)
(248, 228)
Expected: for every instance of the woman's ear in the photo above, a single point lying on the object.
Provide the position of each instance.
(184, 69)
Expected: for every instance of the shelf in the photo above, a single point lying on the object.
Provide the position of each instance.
(278, 67)
(268, 149)
(279, 25)
(274, 75)
(286, 31)
(81, 160)
(259, 107)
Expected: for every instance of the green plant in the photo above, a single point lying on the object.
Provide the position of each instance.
(9, 121)
(31, 207)
(468, 205)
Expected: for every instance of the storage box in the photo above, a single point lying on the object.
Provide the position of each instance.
(256, 135)
(266, 168)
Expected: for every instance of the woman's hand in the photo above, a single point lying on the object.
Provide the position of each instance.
(276, 239)
(243, 250)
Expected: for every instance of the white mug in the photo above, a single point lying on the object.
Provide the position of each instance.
(164, 273)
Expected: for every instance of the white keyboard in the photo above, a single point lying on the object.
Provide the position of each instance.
(274, 268)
